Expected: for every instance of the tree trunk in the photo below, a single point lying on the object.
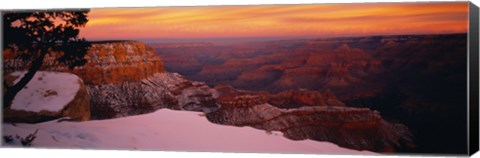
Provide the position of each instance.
(13, 90)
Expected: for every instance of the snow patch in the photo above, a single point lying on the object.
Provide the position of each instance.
(167, 130)
(50, 91)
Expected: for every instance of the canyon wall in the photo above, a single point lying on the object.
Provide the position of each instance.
(107, 62)
(126, 78)
(303, 114)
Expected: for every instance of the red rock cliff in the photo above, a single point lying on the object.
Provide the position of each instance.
(126, 78)
(107, 62)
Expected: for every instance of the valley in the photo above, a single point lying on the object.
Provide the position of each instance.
(416, 80)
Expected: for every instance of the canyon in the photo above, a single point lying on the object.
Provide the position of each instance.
(343, 90)
(415, 80)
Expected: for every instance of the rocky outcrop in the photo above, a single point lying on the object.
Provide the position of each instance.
(161, 90)
(299, 98)
(126, 78)
(243, 99)
(45, 102)
(117, 62)
(327, 120)
(107, 62)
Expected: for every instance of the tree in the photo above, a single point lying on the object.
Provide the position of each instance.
(33, 35)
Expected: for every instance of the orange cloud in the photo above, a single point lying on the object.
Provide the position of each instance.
(277, 20)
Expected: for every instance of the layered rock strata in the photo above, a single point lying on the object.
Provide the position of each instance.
(107, 62)
(126, 78)
(357, 128)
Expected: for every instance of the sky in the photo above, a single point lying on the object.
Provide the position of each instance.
(320, 20)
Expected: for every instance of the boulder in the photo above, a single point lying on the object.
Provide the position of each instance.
(49, 95)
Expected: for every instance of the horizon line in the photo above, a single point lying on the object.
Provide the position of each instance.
(247, 39)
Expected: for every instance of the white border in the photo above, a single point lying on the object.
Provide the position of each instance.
(59, 4)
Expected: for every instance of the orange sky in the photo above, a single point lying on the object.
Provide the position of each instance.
(277, 20)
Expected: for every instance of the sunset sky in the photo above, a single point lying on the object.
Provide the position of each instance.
(324, 20)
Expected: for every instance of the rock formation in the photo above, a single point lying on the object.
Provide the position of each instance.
(161, 90)
(325, 119)
(41, 100)
(299, 98)
(108, 62)
(126, 78)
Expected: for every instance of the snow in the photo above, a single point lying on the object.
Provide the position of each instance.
(167, 130)
(49, 91)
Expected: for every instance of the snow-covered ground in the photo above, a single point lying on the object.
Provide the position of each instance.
(166, 130)
(49, 91)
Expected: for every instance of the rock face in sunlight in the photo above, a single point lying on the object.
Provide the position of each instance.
(49, 95)
(126, 78)
(328, 120)
(108, 62)
(117, 62)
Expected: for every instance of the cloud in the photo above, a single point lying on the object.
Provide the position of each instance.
(277, 20)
